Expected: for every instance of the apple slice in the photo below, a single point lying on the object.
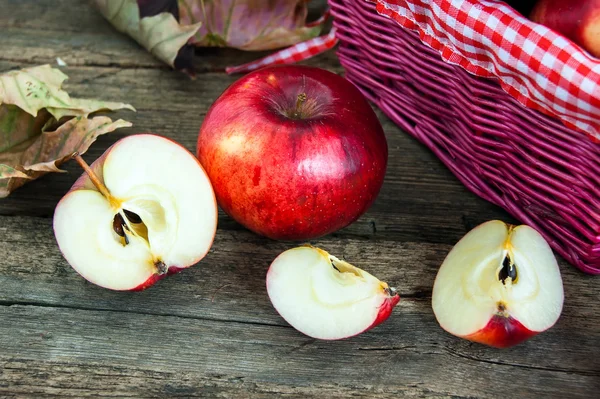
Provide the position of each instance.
(327, 298)
(498, 286)
(143, 210)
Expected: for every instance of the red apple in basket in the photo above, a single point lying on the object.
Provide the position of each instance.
(293, 152)
(143, 210)
(578, 20)
(498, 286)
(325, 297)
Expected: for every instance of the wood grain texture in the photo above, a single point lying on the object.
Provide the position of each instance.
(216, 318)
(210, 331)
(275, 356)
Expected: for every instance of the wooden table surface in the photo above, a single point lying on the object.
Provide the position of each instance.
(211, 331)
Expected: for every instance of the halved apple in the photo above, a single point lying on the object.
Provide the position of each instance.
(498, 286)
(325, 297)
(143, 210)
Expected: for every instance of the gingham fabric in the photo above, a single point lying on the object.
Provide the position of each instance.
(540, 68)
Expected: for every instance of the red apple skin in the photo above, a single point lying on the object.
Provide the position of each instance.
(502, 332)
(576, 20)
(385, 310)
(85, 183)
(293, 178)
(157, 277)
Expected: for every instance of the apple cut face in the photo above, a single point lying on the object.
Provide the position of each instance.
(160, 215)
(499, 285)
(324, 297)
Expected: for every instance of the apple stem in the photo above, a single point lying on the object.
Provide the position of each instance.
(299, 101)
(95, 180)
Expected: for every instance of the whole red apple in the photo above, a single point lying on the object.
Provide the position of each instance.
(578, 20)
(293, 152)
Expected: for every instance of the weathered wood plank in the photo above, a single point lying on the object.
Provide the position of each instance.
(420, 201)
(60, 380)
(211, 331)
(388, 361)
(228, 287)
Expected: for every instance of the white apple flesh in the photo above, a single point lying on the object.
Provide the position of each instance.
(324, 297)
(499, 286)
(143, 210)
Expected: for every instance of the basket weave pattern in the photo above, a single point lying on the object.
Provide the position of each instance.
(543, 173)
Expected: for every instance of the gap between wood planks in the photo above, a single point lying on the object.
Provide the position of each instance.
(28, 62)
(434, 349)
(147, 382)
(10, 303)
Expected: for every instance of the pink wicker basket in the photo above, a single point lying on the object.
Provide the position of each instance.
(543, 173)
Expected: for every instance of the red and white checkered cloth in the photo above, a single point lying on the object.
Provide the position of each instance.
(540, 68)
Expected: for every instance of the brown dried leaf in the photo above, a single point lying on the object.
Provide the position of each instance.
(32, 108)
(47, 151)
(32, 89)
(160, 34)
(248, 24)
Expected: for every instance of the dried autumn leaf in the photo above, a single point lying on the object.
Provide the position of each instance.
(36, 134)
(248, 24)
(32, 89)
(47, 151)
(160, 34)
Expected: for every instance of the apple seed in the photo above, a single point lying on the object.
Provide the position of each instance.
(508, 270)
(118, 224)
(119, 227)
(136, 225)
(132, 217)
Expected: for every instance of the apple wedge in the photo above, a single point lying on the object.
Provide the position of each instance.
(143, 210)
(498, 286)
(327, 298)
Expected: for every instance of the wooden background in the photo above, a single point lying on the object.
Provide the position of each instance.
(211, 331)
